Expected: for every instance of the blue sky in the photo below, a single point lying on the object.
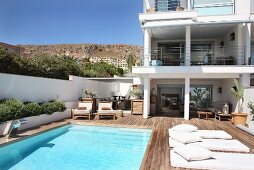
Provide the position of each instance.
(70, 21)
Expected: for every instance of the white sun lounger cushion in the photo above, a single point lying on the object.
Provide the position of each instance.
(185, 137)
(208, 134)
(215, 145)
(193, 153)
(213, 134)
(220, 161)
(184, 128)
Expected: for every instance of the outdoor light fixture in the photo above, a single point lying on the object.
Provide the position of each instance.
(219, 90)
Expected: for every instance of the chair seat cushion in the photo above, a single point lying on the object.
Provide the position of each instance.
(193, 153)
(79, 112)
(106, 111)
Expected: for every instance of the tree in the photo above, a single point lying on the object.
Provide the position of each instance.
(130, 61)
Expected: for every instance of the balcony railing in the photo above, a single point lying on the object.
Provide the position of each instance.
(204, 7)
(175, 56)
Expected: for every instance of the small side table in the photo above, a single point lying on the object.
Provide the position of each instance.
(207, 114)
(221, 116)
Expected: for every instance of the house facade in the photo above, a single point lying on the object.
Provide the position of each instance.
(193, 50)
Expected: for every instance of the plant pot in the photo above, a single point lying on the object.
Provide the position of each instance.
(251, 125)
(180, 8)
(239, 118)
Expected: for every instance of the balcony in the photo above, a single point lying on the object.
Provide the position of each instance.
(200, 55)
(203, 7)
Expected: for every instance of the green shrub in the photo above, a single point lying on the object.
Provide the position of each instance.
(31, 109)
(53, 106)
(5, 113)
(15, 106)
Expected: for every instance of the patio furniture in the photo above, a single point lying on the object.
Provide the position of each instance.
(222, 145)
(105, 110)
(84, 110)
(205, 113)
(136, 107)
(222, 116)
(90, 100)
(221, 160)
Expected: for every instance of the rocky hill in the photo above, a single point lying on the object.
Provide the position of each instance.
(80, 51)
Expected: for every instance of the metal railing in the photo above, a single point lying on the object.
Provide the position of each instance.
(171, 5)
(175, 56)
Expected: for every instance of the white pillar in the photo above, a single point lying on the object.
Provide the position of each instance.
(189, 4)
(187, 99)
(247, 43)
(147, 47)
(187, 45)
(146, 110)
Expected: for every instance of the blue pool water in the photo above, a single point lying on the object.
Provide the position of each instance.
(78, 147)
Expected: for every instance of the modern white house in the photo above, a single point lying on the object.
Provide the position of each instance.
(193, 49)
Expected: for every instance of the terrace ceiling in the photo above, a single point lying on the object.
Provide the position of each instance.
(197, 32)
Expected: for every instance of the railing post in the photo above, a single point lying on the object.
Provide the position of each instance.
(187, 45)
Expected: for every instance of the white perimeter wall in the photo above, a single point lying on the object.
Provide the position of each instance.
(37, 89)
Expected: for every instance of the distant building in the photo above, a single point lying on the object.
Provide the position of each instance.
(12, 48)
(121, 63)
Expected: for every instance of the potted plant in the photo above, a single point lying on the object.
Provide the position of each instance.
(136, 93)
(89, 93)
(251, 107)
(239, 117)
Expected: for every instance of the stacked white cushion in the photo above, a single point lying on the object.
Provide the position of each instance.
(185, 137)
(193, 153)
(184, 128)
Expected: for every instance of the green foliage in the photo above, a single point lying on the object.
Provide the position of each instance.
(251, 107)
(5, 113)
(14, 109)
(31, 109)
(130, 61)
(59, 67)
(101, 69)
(54, 106)
(238, 91)
(15, 106)
(136, 92)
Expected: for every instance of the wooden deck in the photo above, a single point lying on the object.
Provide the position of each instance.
(157, 155)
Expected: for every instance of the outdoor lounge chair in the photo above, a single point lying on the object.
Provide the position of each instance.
(221, 145)
(220, 160)
(209, 134)
(105, 110)
(84, 110)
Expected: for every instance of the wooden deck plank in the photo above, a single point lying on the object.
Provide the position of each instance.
(157, 155)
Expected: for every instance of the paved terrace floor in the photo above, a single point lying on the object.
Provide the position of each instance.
(157, 155)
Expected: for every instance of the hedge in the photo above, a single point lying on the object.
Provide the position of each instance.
(11, 109)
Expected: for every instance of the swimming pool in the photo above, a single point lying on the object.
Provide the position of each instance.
(78, 147)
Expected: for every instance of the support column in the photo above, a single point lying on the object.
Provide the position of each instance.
(146, 110)
(187, 45)
(147, 47)
(189, 5)
(187, 99)
(247, 43)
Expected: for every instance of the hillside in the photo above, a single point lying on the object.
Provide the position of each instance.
(80, 51)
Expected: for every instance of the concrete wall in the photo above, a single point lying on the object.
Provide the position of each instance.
(37, 89)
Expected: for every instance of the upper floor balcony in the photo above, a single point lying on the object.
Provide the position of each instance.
(200, 54)
(203, 7)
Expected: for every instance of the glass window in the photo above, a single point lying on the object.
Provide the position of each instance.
(201, 96)
(252, 80)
